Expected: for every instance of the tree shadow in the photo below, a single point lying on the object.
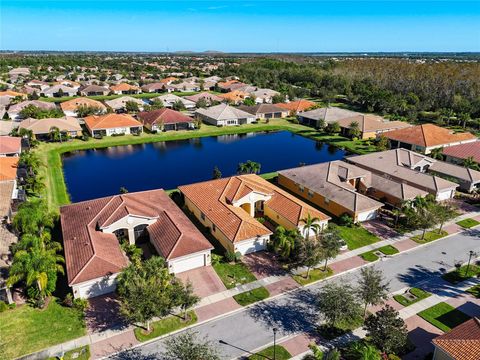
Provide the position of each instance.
(134, 354)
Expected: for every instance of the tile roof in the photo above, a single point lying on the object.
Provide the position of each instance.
(37, 103)
(224, 112)
(329, 114)
(6, 192)
(94, 88)
(166, 116)
(90, 253)
(119, 103)
(464, 151)
(372, 123)
(110, 121)
(262, 109)
(204, 95)
(462, 342)
(153, 86)
(235, 95)
(297, 105)
(10, 145)
(214, 198)
(43, 126)
(12, 93)
(124, 87)
(427, 135)
(71, 105)
(8, 168)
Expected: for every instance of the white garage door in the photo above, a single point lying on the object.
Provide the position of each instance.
(190, 263)
(97, 288)
(368, 215)
(444, 195)
(250, 246)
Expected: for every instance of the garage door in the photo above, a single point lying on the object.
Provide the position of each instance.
(190, 263)
(444, 195)
(101, 287)
(369, 215)
(251, 246)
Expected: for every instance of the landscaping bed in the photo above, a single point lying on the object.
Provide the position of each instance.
(165, 326)
(233, 274)
(356, 236)
(418, 293)
(468, 223)
(252, 296)
(280, 354)
(444, 316)
(386, 250)
(315, 275)
(460, 274)
(329, 333)
(475, 291)
(429, 236)
(81, 353)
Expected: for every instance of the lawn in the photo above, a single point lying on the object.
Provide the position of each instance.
(280, 354)
(475, 291)
(81, 353)
(443, 316)
(460, 274)
(356, 236)
(358, 146)
(419, 293)
(165, 326)
(429, 236)
(340, 329)
(25, 329)
(387, 250)
(468, 223)
(252, 296)
(233, 274)
(315, 275)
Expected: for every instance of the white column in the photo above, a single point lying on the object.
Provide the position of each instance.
(131, 236)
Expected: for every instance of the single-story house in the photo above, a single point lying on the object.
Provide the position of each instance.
(209, 98)
(264, 96)
(168, 80)
(69, 83)
(8, 177)
(230, 85)
(370, 125)
(19, 72)
(297, 106)
(424, 138)
(14, 110)
(467, 179)
(235, 97)
(156, 87)
(460, 343)
(185, 87)
(124, 88)
(165, 119)
(230, 207)
(169, 99)
(457, 154)
(93, 90)
(265, 111)
(7, 126)
(59, 91)
(70, 107)
(41, 128)
(112, 124)
(326, 114)
(92, 231)
(224, 115)
(119, 104)
(42, 85)
(10, 146)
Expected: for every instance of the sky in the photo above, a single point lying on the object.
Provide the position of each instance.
(240, 26)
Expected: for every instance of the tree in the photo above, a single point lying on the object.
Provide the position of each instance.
(331, 243)
(372, 288)
(87, 110)
(284, 241)
(188, 346)
(217, 174)
(386, 330)
(470, 162)
(337, 303)
(202, 103)
(250, 101)
(443, 213)
(333, 128)
(354, 129)
(123, 190)
(421, 213)
(278, 98)
(308, 252)
(382, 143)
(33, 217)
(131, 106)
(317, 353)
(437, 153)
(249, 167)
(311, 224)
(178, 105)
(186, 298)
(361, 351)
(55, 134)
(155, 104)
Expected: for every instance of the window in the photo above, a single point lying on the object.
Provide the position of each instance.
(202, 215)
(310, 193)
(214, 228)
(326, 201)
(301, 188)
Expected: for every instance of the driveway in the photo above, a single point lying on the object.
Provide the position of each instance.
(103, 314)
(263, 264)
(205, 281)
(380, 229)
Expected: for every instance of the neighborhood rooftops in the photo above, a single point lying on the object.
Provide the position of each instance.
(204, 95)
(165, 116)
(462, 342)
(10, 145)
(110, 121)
(73, 104)
(8, 168)
(297, 105)
(223, 112)
(262, 109)
(44, 126)
(464, 151)
(372, 123)
(328, 114)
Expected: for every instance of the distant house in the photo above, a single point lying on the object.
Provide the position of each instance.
(119, 104)
(40, 85)
(460, 343)
(20, 71)
(169, 99)
(14, 110)
(59, 91)
(297, 106)
(457, 154)
(264, 95)
(70, 107)
(112, 124)
(10, 94)
(7, 126)
(157, 87)
(370, 126)
(165, 119)
(231, 85)
(168, 80)
(185, 87)
(41, 128)
(10, 146)
(327, 115)
(265, 111)
(235, 97)
(69, 83)
(93, 90)
(424, 138)
(124, 88)
(230, 207)
(224, 115)
(209, 98)
(8, 183)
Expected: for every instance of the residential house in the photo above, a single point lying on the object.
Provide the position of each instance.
(119, 104)
(224, 115)
(230, 85)
(168, 80)
(69, 83)
(457, 154)
(265, 111)
(10, 146)
(235, 97)
(15, 110)
(370, 126)
(156, 87)
(93, 230)
(93, 90)
(264, 96)
(59, 91)
(213, 79)
(17, 72)
(460, 343)
(208, 97)
(424, 138)
(7, 126)
(169, 99)
(9, 175)
(38, 84)
(112, 124)
(166, 119)
(230, 207)
(70, 107)
(325, 115)
(297, 106)
(185, 87)
(10, 94)
(41, 128)
(124, 88)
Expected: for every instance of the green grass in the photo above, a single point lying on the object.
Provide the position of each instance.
(315, 275)
(252, 296)
(270, 175)
(460, 274)
(475, 291)
(25, 329)
(468, 223)
(358, 146)
(443, 316)
(341, 328)
(165, 326)
(419, 293)
(356, 236)
(81, 353)
(387, 250)
(280, 354)
(233, 274)
(429, 236)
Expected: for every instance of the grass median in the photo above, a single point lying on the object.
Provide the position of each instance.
(315, 275)
(252, 296)
(386, 250)
(468, 223)
(429, 236)
(417, 292)
(166, 326)
(280, 354)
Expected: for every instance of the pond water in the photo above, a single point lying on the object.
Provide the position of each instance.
(96, 173)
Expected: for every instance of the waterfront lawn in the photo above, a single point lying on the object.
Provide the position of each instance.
(165, 326)
(460, 274)
(280, 354)
(252, 296)
(468, 223)
(419, 293)
(387, 250)
(429, 236)
(315, 275)
(475, 291)
(356, 236)
(233, 274)
(25, 329)
(444, 316)
(357, 146)
(81, 353)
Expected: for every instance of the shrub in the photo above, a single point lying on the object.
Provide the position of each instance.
(230, 256)
(3, 306)
(346, 220)
(216, 259)
(80, 304)
(68, 301)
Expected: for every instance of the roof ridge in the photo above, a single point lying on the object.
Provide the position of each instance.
(113, 212)
(178, 239)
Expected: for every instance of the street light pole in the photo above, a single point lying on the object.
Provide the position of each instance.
(274, 343)
(471, 253)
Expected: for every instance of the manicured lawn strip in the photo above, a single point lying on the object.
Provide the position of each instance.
(315, 275)
(475, 291)
(165, 326)
(25, 329)
(280, 354)
(233, 274)
(270, 175)
(460, 274)
(81, 353)
(340, 329)
(429, 236)
(419, 293)
(387, 250)
(356, 236)
(357, 146)
(252, 296)
(468, 223)
(369, 256)
(443, 316)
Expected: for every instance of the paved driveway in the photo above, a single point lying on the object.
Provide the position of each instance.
(380, 229)
(205, 281)
(103, 314)
(263, 264)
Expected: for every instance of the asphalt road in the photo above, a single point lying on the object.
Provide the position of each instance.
(295, 312)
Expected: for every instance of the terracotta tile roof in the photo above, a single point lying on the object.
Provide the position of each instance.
(204, 95)
(6, 192)
(90, 253)
(71, 105)
(8, 168)
(298, 105)
(428, 135)
(124, 87)
(10, 145)
(12, 93)
(214, 198)
(153, 86)
(168, 79)
(464, 151)
(235, 95)
(110, 121)
(462, 342)
(167, 116)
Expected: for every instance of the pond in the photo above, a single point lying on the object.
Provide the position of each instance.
(96, 173)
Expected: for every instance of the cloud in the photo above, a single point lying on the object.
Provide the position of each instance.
(217, 7)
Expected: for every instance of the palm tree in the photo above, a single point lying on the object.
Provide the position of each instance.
(437, 153)
(55, 134)
(284, 241)
(249, 167)
(311, 223)
(470, 162)
(354, 129)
